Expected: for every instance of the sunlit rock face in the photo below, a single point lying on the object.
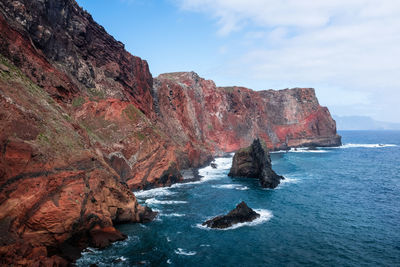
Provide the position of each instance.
(83, 122)
(228, 118)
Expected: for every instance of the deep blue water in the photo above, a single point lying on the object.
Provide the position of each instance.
(338, 206)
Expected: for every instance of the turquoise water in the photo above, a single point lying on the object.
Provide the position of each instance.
(338, 206)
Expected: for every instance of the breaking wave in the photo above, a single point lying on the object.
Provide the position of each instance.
(155, 201)
(265, 215)
(231, 186)
(181, 251)
(350, 145)
(173, 215)
(162, 191)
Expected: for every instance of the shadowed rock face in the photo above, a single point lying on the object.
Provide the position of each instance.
(255, 162)
(83, 122)
(242, 213)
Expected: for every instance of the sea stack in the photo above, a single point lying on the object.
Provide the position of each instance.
(242, 213)
(255, 162)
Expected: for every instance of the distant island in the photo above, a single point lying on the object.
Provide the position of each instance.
(363, 123)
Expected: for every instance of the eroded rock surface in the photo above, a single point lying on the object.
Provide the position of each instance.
(255, 162)
(83, 122)
(225, 119)
(242, 213)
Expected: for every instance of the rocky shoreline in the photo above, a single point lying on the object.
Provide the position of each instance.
(84, 123)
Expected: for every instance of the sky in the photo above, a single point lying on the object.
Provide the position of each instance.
(348, 50)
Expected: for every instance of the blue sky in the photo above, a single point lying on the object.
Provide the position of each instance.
(348, 50)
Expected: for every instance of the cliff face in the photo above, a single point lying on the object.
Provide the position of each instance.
(228, 118)
(82, 120)
(106, 91)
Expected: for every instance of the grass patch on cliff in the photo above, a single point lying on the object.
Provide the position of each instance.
(78, 101)
(133, 113)
(43, 138)
(95, 94)
(56, 136)
(11, 73)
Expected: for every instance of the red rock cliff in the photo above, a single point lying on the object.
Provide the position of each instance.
(228, 118)
(82, 120)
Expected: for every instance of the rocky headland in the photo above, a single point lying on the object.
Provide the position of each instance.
(242, 213)
(83, 122)
(254, 161)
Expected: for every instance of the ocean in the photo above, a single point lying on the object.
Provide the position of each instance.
(337, 206)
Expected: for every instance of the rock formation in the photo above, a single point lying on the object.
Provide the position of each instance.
(225, 119)
(83, 122)
(242, 213)
(255, 162)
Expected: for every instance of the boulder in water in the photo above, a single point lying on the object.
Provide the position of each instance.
(255, 162)
(242, 213)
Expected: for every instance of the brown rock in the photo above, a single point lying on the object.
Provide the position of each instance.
(255, 162)
(82, 120)
(242, 213)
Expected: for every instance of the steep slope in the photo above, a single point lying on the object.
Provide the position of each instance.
(83, 122)
(102, 87)
(228, 118)
(55, 190)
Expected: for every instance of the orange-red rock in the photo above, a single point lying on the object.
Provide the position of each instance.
(83, 122)
(228, 118)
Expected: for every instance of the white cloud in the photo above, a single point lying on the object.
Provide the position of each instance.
(333, 45)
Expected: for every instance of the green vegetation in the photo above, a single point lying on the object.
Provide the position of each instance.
(42, 138)
(55, 136)
(95, 94)
(140, 136)
(78, 101)
(133, 113)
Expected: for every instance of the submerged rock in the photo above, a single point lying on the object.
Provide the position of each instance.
(214, 165)
(255, 162)
(242, 213)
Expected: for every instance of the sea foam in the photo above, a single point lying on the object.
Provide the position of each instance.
(231, 186)
(173, 215)
(209, 173)
(155, 201)
(265, 215)
(350, 145)
(289, 180)
(300, 150)
(162, 191)
(181, 251)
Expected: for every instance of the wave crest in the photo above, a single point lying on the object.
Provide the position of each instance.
(181, 251)
(351, 145)
(163, 202)
(231, 186)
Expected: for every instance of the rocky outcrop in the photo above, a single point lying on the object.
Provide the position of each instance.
(83, 122)
(242, 213)
(225, 119)
(255, 162)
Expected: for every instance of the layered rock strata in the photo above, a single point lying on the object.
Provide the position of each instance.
(225, 119)
(83, 122)
(255, 162)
